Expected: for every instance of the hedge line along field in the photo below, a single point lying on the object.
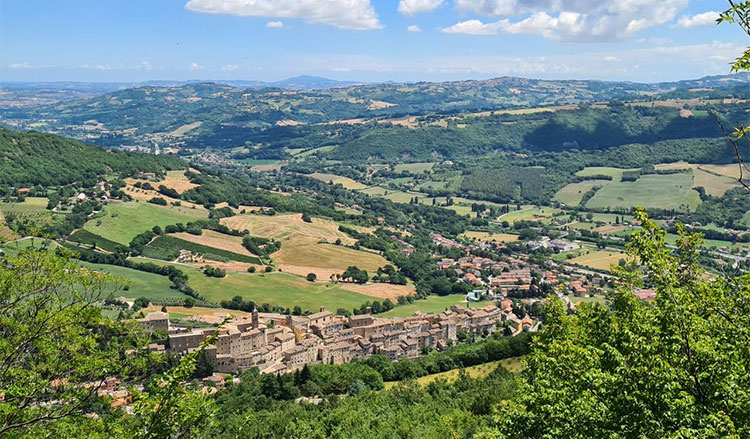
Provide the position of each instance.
(615, 173)
(122, 222)
(167, 247)
(83, 236)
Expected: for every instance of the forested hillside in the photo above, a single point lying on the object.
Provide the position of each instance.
(33, 158)
(220, 115)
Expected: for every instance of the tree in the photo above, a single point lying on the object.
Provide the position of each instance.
(141, 302)
(610, 373)
(739, 13)
(356, 275)
(54, 342)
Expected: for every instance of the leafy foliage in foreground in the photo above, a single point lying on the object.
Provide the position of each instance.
(56, 349)
(674, 369)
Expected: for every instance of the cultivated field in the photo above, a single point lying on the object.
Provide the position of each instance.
(184, 129)
(395, 195)
(380, 290)
(33, 209)
(218, 240)
(175, 180)
(300, 257)
(716, 179)
(528, 213)
(714, 184)
(302, 248)
(281, 227)
(347, 182)
(609, 229)
(121, 222)
(30, 205)
(671, 191)
(414, 168)
(615, 173)
(572, 194)
(141, 284)
(490, 237)
(432, 305)
(277, 289)
(599, 260)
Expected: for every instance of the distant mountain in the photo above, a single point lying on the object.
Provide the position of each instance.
(211, 114)
(306, 82)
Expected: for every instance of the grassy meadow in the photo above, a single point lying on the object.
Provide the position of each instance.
(671, 191)
(432, 305)
(572, 194)
(122, 222)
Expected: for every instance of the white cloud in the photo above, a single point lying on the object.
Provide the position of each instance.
(195, 66)
(344, 14)
(145, 65)
(342, 69)
(578, 20)
(699, 20)
(97, 67)
(642, 64)
(229, 68)
(414, 28)
(275, 24)
(475, 27)
(411, 7)
(20, 66)
(610, 58)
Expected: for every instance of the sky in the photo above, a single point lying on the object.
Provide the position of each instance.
(364, 40)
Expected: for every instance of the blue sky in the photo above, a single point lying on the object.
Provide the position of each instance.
(365, 40)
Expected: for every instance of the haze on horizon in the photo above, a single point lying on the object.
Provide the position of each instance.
(364, 40)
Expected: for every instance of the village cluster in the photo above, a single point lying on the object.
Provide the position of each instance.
(516, 273)
(278, 343)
